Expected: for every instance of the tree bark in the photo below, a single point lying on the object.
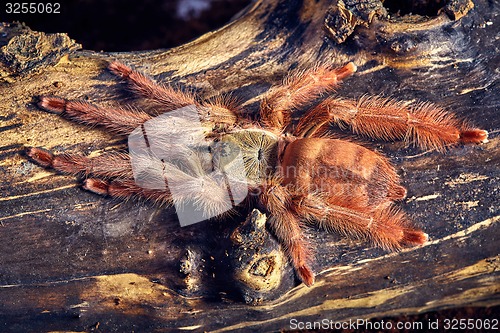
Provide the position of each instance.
(72, 260)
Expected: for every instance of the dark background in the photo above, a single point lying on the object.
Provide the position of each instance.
(131, 25)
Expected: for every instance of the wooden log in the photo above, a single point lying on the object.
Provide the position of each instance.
(71, 260)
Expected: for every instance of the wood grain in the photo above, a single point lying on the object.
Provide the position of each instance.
(74, 261)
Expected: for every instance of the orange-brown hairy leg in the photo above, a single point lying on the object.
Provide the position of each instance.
(143, 86)
(386, 226)
(423, 124)
(119, 121)
(287, 229)
(109, 165)
(126, 189)
(221, 110)
(297, 90)
(205, 193)
(207, 201)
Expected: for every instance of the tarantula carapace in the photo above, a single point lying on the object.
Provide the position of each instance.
(296, 174)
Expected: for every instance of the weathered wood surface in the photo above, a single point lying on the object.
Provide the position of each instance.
(71, 260)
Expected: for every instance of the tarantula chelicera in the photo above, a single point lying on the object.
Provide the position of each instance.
(296, 174)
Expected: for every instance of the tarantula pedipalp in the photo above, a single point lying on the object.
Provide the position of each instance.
(296, 173)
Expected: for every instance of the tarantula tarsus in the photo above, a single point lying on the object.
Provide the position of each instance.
(295, 174)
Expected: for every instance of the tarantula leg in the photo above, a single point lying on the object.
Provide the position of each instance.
(286, 227)
(220, 110)
(143, 86)
(119, 180)
(423, 124)
(119, 121)
(386, 226)
(298, 90)
(126, 189)
(109, 165)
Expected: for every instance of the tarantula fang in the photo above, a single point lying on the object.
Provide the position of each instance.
(296, 174)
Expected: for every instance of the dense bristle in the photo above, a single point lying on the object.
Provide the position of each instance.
(286, 226)
(423, 124)
(41, 156)
(298, 89)
(397, 192)
(222, 109)
(119, 120)
(388, 230)
(52, 104)
(166, 96)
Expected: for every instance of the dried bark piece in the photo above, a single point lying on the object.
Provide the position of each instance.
(344, 16)
(256, 259)
(24, 51)
(456, 9)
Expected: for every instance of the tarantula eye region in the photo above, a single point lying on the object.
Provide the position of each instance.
(224, 149)
(226, 156)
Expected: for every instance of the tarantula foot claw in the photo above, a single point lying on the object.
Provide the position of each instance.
(349, 69)
(41, 156)
(306, 275)
(414, 237)
(474, 136)
(97, 186)
(52, 104)
(296, 172)
(120, 69)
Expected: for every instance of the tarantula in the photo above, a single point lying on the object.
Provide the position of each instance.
(296, 174)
